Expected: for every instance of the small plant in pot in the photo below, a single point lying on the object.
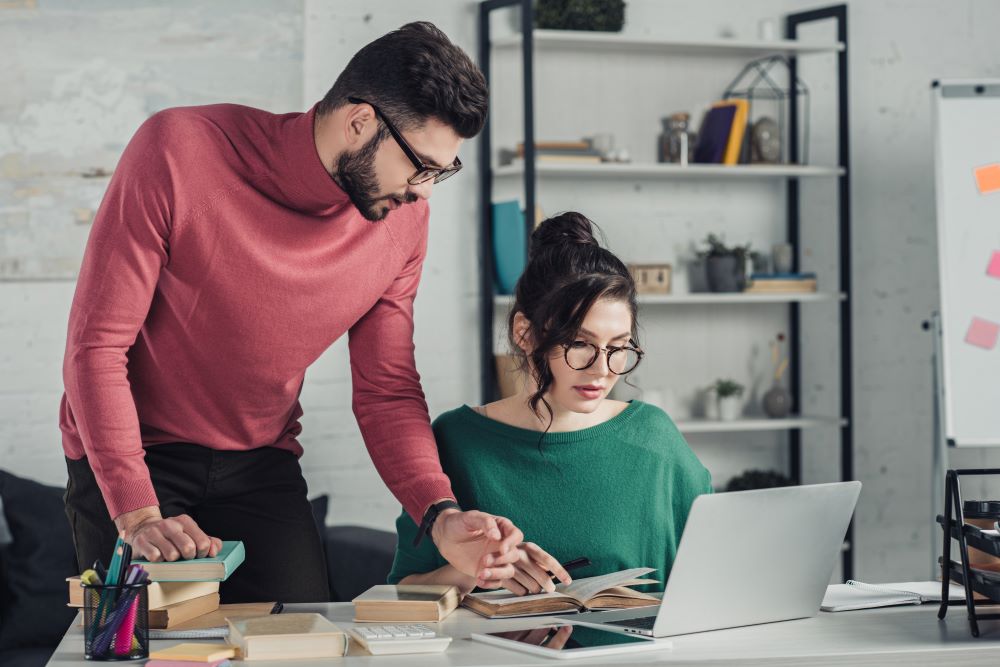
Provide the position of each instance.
(725, 266)
(729, 394)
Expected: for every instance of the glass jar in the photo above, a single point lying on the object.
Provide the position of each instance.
(676, 143)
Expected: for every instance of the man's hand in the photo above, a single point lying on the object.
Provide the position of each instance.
(154, 538)
(531, 571)
(478, 544)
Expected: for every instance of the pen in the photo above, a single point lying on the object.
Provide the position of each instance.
(573, 564)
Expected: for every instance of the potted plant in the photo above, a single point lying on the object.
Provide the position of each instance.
(725, 266)
(728, 394)
(599, 15)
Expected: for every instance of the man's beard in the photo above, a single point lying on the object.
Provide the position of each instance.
(356, 176)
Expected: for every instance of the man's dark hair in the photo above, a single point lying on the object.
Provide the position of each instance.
(413, 74)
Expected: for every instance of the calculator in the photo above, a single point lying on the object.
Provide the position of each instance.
(393, 639)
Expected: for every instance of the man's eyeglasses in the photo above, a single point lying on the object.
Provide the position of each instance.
(425, 172)
(581, 355)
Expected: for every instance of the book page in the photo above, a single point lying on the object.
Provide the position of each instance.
(505, 597)
(582, 590)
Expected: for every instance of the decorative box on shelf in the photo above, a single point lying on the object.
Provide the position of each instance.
(651, 278)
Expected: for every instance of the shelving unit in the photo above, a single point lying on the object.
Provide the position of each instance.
(530, 41)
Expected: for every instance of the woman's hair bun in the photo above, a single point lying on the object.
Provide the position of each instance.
(570, 228)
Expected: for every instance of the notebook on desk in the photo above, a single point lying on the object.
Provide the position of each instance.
(859, 595)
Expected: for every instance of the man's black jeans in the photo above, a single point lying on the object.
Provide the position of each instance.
(256, 496)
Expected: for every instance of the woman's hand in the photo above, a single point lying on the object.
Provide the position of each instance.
(532, 571)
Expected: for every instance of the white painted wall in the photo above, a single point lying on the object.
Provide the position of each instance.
(897, 47)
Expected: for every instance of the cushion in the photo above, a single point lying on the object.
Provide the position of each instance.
(319, 505)
(27, 657)
(357, 558)
(34, 565)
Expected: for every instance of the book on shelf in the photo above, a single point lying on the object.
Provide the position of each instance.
(768, 283)
(215, 568)
(287, 637)
(713, 135)
(560, 159)
(406, 602)
(160, 594)
(734, 145)
(557, 146)
(606, 591)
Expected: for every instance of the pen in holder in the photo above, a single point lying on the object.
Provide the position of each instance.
(116, 621)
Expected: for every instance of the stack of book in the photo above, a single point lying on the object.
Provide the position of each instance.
(777, 283)
(170, 603)
(566, 152)
(180, 590)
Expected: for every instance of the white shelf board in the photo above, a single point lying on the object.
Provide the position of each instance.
(582, 40)
(711, 298)
(761, 424)
(671, 171)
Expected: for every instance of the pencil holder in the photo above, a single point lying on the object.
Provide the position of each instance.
(116, 622)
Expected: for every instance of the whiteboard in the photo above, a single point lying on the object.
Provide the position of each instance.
(966, 117)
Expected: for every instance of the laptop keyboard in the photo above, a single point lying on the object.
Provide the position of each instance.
(643, 623)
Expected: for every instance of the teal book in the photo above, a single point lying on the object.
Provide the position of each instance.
(218, 568)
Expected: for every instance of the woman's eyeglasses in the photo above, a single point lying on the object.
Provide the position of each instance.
(581, 355)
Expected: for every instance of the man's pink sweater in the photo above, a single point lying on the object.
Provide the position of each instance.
(223, 261)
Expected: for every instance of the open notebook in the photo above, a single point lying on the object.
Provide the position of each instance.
(858, 595)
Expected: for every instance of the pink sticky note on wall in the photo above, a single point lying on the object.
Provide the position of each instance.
(994, 268)
(983, 333)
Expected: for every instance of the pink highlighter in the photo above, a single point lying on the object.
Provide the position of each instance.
(123, 638)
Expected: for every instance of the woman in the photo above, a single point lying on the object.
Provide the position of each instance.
(579, 473)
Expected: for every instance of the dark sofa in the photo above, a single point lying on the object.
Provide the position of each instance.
(36, 556)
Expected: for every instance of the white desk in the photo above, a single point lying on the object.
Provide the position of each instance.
(910, 635)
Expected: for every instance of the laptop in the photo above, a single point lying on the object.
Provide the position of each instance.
(745, 558)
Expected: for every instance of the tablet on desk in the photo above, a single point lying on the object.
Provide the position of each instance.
(566, 640)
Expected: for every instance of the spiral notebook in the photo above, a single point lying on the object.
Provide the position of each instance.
(859, 595)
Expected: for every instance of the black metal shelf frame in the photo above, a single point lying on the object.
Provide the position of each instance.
(837, 13)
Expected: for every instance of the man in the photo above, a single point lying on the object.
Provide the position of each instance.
(232, 247)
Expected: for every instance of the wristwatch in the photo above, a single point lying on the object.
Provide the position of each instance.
(430, 516)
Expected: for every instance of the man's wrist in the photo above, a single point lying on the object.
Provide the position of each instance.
(128, 522)
(429, 518)
(434, 527)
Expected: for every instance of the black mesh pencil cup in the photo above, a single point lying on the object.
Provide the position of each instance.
(116, 622)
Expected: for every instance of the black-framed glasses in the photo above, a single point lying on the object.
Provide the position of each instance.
(425, 172)
(581, 355)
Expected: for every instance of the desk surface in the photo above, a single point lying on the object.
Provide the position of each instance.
(909, 635)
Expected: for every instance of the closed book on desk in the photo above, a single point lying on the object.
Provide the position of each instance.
(607, 591)
(287, 637)
(204, 653)
(217, 568)
(406, 602)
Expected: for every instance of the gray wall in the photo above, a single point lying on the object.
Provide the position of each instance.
(84, 75)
